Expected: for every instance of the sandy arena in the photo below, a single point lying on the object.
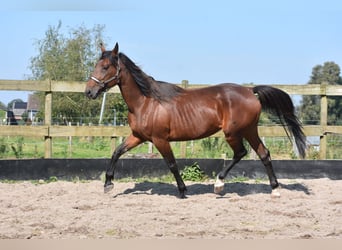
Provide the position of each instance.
(307, 209)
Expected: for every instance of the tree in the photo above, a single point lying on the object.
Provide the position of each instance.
(2, 106)
(71, 58)
(328, 73)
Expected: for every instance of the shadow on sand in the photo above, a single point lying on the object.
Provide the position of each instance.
(241, 189)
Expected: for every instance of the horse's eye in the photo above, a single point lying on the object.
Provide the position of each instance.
(105, 67)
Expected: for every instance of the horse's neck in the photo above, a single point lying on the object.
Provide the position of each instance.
(131, 93)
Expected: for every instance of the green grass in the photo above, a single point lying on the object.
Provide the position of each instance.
(101, 147)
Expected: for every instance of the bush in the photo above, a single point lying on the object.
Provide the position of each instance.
(193, 173)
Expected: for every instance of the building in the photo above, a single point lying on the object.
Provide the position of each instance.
(15, 115)
(18, 109)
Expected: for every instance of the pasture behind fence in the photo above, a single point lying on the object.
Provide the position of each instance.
(329, 136)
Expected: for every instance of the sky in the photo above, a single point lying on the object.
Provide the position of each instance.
(204, 42)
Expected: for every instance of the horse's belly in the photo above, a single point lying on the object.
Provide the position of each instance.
(196, 130)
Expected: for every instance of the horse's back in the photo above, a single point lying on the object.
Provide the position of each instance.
(239, 107)
(198, 113)
(228, 94)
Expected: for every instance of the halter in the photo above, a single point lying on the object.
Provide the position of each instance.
(103, 84)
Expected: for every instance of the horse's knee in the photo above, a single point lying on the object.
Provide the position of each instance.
(265, 158)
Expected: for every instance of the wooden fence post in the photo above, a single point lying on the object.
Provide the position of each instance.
(323, 123)
(48, 121)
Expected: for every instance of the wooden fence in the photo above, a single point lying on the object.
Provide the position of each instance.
(49, 131)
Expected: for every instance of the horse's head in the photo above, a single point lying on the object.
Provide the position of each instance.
(106, 73)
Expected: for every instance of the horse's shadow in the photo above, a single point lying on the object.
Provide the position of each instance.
(239, 188)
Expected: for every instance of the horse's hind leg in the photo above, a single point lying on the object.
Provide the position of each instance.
(239, 152)
(265, 157)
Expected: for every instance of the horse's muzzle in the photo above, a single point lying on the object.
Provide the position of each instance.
(90, 93)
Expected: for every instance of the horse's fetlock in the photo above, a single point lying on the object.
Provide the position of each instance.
(274, 184)
(109, 177)
(221, 176)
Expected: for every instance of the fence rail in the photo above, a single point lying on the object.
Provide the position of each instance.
(49, 131)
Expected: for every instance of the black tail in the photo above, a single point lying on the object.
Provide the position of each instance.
(278, 102)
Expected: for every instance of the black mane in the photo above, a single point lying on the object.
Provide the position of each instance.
(162, 91)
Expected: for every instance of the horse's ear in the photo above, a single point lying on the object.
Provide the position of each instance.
(102, 47)
(115, 51)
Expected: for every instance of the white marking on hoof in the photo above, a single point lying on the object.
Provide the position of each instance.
(275, 193)
(218, 186)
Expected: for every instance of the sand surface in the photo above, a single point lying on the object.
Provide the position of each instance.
(66, 210)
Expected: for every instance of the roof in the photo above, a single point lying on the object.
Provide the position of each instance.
(20, 105)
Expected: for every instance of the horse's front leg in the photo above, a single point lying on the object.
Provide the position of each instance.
(125, 146)
(164, 148)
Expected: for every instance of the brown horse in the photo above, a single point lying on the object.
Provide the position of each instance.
(161, 112)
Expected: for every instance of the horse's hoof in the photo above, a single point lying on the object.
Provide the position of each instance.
(218, 186)
(108, 187)
(275, 193)
(218, 189)
(182, 196)
(182, 193)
